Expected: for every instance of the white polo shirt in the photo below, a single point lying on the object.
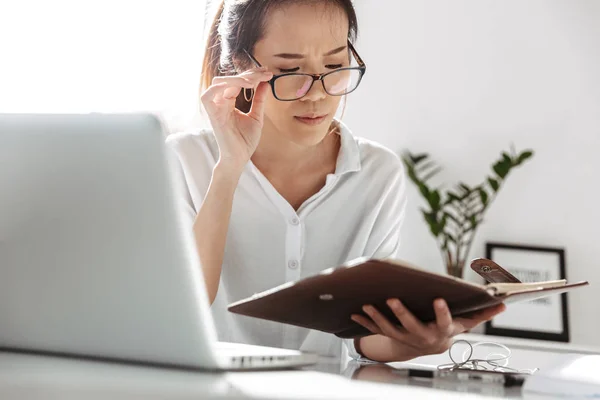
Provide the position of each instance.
(358, 213)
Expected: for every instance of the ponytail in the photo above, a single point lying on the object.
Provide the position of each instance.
(211, 65)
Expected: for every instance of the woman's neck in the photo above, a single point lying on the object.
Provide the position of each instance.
(277, 154)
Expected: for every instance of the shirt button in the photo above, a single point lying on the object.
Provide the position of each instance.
(294, 221)
(293, 264)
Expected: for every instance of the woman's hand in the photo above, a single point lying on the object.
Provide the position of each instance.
(237, 133)
(415, 338)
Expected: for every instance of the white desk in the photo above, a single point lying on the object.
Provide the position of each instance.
(526, 353)
(25, 376)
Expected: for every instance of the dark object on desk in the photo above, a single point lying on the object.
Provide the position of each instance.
(420, 376)
(506, 379)
(326, 301)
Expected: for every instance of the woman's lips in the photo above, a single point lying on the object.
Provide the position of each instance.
(311, 120)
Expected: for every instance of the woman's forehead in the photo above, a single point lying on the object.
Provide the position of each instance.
(302, 28)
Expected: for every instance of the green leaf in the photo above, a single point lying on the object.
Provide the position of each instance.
(424, 190)
(451, 197)
(457, 209)
(524, 156)
(473, 220)
(432, 174)
(418, 158)
(506, 158)
(460, 215)
(497, 168)
(431, 218)
(450, 237)
(443, 222)
(468, 200)
(451, 218)
(483, 196)
(434, 199)
(494, 184)
(464, 187)
(473, 196)
(410, 171)
(425, 166)
(501, 168)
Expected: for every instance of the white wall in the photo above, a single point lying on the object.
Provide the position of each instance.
(66, 56)
(463, 79)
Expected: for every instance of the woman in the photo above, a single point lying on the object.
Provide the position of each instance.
(278, 190)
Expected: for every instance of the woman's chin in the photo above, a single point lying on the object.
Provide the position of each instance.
(310, 135)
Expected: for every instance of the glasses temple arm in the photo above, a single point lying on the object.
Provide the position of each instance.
(355, 54)
(254, 60)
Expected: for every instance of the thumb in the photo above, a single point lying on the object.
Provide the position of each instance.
(257, 110)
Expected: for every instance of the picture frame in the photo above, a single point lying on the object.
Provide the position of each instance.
(543, 319)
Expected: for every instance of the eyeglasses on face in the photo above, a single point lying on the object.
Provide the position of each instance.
(293, 86)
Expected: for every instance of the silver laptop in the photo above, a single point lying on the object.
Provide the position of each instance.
(93, 260)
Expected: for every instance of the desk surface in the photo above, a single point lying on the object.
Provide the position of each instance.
(27, 376)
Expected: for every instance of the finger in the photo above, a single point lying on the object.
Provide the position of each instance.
(229, 87)
(366, 322)
(251, 71)
(443, 318)
(216, 92)
(213, 91)
(408, 320)
(257, 110)
(231, 93)
(208, 96)
(386, 327)
(253, 78)
(219, 87)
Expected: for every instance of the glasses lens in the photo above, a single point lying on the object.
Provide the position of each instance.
(341, 82)
(295, 86)
(292, 87)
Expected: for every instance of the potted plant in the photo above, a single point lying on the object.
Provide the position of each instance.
(454, 215)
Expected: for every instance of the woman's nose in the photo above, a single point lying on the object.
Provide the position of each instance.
(316, 92)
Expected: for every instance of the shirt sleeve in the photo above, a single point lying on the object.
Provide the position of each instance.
(352, 352)
(192, 158)
(183, 199)
(384, 241)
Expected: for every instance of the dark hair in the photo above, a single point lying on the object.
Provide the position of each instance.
(238, 25)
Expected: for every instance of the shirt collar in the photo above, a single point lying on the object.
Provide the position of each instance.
(349, 156)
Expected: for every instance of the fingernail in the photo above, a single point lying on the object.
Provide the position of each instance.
(393, 303)
(440, 304)
(367, 309)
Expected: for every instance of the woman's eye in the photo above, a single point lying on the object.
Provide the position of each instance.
(291, 70)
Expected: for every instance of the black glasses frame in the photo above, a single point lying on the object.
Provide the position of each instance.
(362, 68)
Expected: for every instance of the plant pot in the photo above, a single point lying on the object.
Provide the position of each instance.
(455, 270)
